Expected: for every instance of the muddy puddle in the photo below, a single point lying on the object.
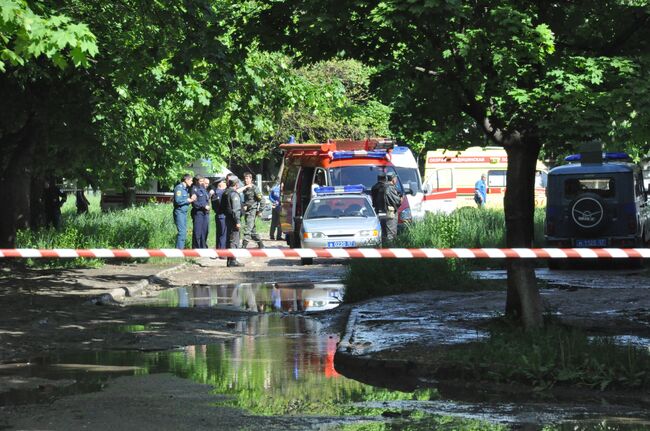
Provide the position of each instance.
(283, 364)
(294, 297)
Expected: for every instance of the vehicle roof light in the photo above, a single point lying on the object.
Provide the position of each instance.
(400, 150)
(375, 154)
(606, 156)
(329, 190)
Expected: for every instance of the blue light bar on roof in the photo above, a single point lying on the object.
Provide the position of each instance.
(606, 156)
(375, 154)
(328, 190)
(400, 150)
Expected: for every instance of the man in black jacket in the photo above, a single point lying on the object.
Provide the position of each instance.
(231, 207)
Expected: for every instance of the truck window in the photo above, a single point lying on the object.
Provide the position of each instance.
(366, 175)
(496, 178)
(289, 176)
(410, 176)
(604, 187)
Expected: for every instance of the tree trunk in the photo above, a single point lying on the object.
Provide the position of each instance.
(523, 299)
(15, 185)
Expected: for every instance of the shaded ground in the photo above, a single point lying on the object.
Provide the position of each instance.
(47, 311)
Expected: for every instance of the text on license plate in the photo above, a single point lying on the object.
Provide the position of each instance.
(599, 242)
(339, 244)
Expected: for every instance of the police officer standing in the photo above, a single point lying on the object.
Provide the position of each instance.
(200, 213)
(392, 202)
(219, 215)
(231, 207)
(182, 201)
(274, 197)
(251, 207)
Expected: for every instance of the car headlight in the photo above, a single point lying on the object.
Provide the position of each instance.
(374, 233)
(405, 214)
(308, 235)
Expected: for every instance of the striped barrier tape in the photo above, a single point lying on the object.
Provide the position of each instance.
(367, 253)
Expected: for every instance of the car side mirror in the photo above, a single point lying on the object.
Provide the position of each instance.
(407, 188)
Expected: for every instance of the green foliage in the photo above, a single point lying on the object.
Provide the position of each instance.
(466, 227)
(27, 35)
(554, 356)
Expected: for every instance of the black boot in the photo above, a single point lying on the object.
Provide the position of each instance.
(260, 244)
(244, 243)
(234, 262)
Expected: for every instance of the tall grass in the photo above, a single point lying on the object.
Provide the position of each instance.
(148, 226)
(465, 227)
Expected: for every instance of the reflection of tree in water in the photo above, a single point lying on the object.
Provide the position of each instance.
(288, 371)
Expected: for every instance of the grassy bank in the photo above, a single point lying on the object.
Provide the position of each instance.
(466, 227)
(554, 356)
(149, 226)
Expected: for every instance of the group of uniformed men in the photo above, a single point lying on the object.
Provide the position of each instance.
(386, 200)
(229, 199)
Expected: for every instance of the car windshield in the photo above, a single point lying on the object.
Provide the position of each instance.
(336, 207)
(366, 175)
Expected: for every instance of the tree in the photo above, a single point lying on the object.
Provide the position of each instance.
(527, 75)
(36, 46)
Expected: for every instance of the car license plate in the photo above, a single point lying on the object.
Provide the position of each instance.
(599, 242)
(340, 244)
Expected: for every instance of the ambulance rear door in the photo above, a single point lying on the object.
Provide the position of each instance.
(440, 192)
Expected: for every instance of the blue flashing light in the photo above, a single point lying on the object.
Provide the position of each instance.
(606, 156)
(292, 139)
(328, 190)
(376, 154)
(400, 150)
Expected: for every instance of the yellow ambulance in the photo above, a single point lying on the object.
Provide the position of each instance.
(458, 171)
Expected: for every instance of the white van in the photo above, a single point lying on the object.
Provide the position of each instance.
(407, 170)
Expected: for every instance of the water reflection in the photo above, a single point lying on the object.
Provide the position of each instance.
(258, 297)
(283, 365)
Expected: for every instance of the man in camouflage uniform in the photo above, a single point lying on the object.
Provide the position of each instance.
(251, 209)
(392, 202)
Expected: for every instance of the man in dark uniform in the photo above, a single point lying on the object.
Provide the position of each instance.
(377, 192)
(251, 207)
(219, 216)
(182, 201)
(200, 213)
(276, 207)
(392, 202)
(53, 200)
(231, 207)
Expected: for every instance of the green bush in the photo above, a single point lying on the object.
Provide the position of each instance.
(466, 227)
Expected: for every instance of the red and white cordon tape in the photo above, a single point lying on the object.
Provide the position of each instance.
(357, 253)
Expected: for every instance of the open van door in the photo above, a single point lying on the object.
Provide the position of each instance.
(440, 193)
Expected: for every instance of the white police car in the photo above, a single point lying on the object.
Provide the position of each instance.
(340, 217)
